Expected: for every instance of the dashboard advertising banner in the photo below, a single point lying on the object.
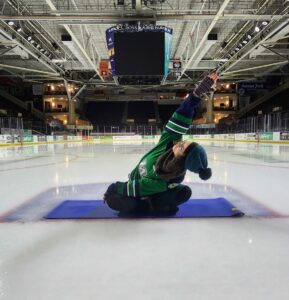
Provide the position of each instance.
(265, 136)
(284, 136)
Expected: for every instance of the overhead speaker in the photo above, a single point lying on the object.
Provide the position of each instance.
(212, 37)
(66, 38)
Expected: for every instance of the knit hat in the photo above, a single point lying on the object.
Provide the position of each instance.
(197, 162)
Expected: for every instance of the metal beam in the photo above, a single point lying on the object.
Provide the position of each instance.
(67, 89)
(83, 87)
(53, 8)
(138, 5)
(99, 18)
(275, 52)
(79, 91)
(26, 69)
(238, 55)
(24, 44)
(3, 7)
(257, 67)
(205, 36)
(115, 79)
(39, 29)
(88, 33)
(7, 50)
(189, 41)
(275, 40)
(164, 80)
(246, 50)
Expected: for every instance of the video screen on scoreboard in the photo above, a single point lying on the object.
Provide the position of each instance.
(139, 53)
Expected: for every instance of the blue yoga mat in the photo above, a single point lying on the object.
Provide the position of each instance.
(96, 209)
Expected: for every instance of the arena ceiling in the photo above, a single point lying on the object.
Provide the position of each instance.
(252, 37)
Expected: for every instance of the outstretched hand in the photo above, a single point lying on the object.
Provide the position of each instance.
(215, 77)
(208, 84)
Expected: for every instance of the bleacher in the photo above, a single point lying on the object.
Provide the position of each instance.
(141, 112)
(104, 112)
(166, 112)
(12, 110)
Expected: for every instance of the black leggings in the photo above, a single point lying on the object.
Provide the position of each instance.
(162, 203)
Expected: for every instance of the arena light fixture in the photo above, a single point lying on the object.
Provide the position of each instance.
(11, 23)
(38, 46)
(249, 36)
(19, 29)
(265, 23)
(29, 38)
(257, 28)
(245, 42)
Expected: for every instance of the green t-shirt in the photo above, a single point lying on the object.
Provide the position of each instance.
(143, 180)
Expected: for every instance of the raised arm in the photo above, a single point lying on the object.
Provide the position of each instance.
(181, 119)
(146, 183)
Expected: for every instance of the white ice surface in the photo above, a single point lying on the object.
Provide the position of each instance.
(243, 258)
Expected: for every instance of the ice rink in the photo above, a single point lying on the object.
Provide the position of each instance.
(152, 259)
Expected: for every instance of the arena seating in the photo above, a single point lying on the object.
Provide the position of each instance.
(166, 112)
(100, 113)
(141, 111)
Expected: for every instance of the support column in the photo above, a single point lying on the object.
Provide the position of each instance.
(71, 113)
(210, 105)
(71, 106)
(124, 114)
(157, 113)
